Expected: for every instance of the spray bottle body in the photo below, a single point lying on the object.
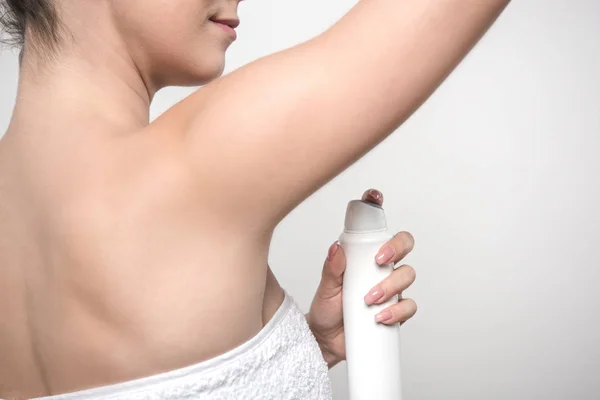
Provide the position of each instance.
(372, 348)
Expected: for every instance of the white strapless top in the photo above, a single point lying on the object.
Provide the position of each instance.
(282, 362)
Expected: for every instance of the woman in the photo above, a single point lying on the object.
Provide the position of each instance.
(133, 256)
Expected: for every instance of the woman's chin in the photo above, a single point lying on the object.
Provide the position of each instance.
(196, 75)
(207, 72)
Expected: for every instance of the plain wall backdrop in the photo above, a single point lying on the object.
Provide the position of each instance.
(496, 176)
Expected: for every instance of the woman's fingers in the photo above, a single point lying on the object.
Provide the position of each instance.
(394, 284)
(399, 312)
(393, 251)
(396, 249)
(374, 196)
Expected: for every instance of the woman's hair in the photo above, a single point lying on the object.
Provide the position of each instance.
(21, 18)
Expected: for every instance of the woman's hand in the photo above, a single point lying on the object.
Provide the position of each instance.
(325, 317)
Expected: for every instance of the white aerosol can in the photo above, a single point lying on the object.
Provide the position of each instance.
(372, 348)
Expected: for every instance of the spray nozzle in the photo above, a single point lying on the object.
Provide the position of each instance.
(364, 216)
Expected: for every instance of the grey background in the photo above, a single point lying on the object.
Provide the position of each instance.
(497, 178)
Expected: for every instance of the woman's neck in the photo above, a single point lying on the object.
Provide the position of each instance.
(99, 87)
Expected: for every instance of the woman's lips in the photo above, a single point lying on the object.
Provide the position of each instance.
(228, 25)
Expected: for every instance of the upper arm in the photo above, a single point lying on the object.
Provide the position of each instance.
(274, 131)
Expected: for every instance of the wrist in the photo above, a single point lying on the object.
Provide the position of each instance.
(328, 356)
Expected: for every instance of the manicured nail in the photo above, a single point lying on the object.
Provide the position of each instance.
(332, 250)
(385, 254)
(383, 316)
(375, 294)
(376, 194)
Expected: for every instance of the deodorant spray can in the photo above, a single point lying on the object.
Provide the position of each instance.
(372, 348)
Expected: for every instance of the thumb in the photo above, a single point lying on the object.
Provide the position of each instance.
(332, 276)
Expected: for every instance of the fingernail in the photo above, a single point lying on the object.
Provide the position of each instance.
(332, 250)
(376, 194)
(383, 316)
(385, 255)
(375, 294)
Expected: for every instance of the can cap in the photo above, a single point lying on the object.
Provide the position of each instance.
(364, 216)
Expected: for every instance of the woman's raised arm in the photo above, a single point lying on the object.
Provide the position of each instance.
(274, 131)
